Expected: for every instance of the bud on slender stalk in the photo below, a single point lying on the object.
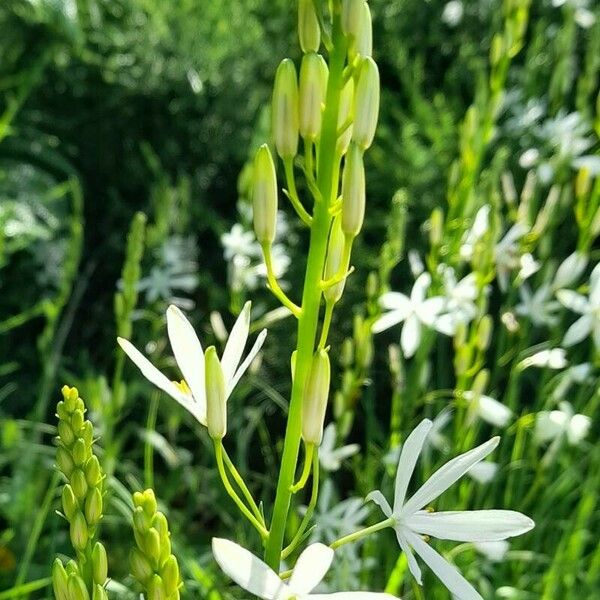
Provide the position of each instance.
(99, 564)
(313, 85)
(366, 105)
(333, 264)
(216, 407)
(59, 581)
(353, 192)
(316, 393)
(309, 30)
(285, 110)
(264, 196)
(352, 15)
(344, 116)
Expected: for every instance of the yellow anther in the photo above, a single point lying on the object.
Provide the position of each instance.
(183, 386)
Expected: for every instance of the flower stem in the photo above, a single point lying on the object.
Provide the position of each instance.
(292, 193)
(274, 285)
(361, 533)
(309, 450)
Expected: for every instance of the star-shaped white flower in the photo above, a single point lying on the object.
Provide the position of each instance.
(538, 306)
(562, 424)
(488, 408)
(460, 296)
(253, 575)
(416, 311)
(589, 309)
(191, 393)
(331, 457)
(411, 522)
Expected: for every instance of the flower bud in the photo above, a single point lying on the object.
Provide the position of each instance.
(148, 502)
(66, 433)
(156, 590)
(77, 589)
(344, 116)
(152, 543)
(77, 421)
(79, 484)
(93, 472)
(170, 574)
(99, 593)
(312, 89)
(285, 110)
(59, 581)
(333, 264)
(264, 196)
(316, 393)
(87, 433)
(353, 192)
(70, 396)
(69, 502)
(79, 452)
(141, 521)
(93, 507)
(139, 566)
(436, 227)
(309, 30)
(79, 532)
(352, 16)
(363, 44)
(484, 332)
(64, 461)
(216, 407)
(366, 107)
(99, 564)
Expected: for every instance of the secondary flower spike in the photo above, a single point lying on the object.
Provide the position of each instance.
(191, 393)
(411, 521)
(285, 110)
(264, 196)
(254, 576)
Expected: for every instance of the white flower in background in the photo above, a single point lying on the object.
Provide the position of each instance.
(557, 425)
(343, 573)
(416, 311)
(554, 358)
(584, 17)
(480, 226)
(281, 263)
(239, 242)
(254, 576)
(507, 256)
(453, 13)
(460, 296)
(484, 472)
(577, 374)
(493, 551)
(539, 307)
(528, 266)
(589, 309)
(331, 457)
(190, 393)
(416, 263)
(570, 270)
(487, 408)
(411, 522)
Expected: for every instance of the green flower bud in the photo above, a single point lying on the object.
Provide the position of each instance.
(70, 396)
(79, 484)
(64, 461)
(152, 543)
(77, 589)
(264, 196)
(72, 568)
(363, 43)
(285, 110)
(480, 382)
(139, 566)
(216, 395)
(59, 581)
(65, 433)
(335, 256)
(79, 532)
(353, 192)
(309, 30)
(170, 574)
(93, 472)
(160, 523)
(79, 452)
(93, 507)
(484, 332)
(312, 89)
(436, 227)
(99, 593)
(99, 564)
(87, 433)
(156, 591)
(316, 394)
(141, 521)
(352, 16)
(77, 421)
(366, 108)
(61, 411)
(148, 502)
(344, 117)
(69, 502)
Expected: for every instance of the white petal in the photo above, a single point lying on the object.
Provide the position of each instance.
(470, 525)
(248, 571)
(379, 499)
(187, 350)
(387, 320)
(484, 471)
(153, 375)
(578, 429)
(447, 573)
(420, 288)
(408, 459)
(493, 412)
(310, 568)
(570, 270)
(549, 425)
(445, 476)
(395, 301)
(578, 331)
(260, 340)
(236, 343)
(413, 566)
(572, 300)
(430, 308)
(448, 323)
(410, 337)
(494, 551)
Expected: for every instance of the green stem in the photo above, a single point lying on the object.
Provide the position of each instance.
(361, 533)
(309, 450)
(232, 493)
(148, 448)
(292, 194)
(329, 306)
(311, 297)
(274, 285)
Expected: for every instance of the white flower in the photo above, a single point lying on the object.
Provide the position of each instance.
(560, 424)
(494, 551)
(570, 270)
(189, 355)
(414, 311)
(555, 358)
(239, 242)
(487, 408)
(539, 306)
(528, 266)
(453, 13)
(484, 471)
(577, 374)
(588, 308)
(507, 255)
(459, 306)
(254, 576)
(479, 228)
(411, 521)
(331, 457)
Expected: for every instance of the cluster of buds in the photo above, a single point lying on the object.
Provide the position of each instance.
(151, 562)
(85, 577)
